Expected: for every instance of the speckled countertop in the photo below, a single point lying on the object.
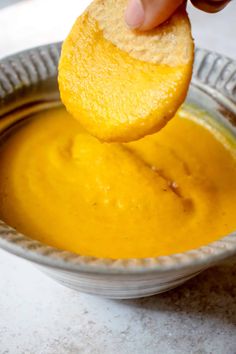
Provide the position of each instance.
(38, 316)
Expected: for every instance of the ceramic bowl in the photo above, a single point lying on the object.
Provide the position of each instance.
(28, 84)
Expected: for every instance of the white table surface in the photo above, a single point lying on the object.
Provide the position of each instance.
(38, 316)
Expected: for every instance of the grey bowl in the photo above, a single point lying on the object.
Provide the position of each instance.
(28, 84)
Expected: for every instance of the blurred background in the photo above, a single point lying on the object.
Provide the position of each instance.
(28, 23)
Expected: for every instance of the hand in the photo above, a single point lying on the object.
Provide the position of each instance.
(147, 14)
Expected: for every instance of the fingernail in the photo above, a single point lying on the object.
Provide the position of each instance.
(134, 15)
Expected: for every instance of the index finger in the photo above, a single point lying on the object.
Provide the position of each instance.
(210, 5)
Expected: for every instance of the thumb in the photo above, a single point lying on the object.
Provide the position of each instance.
(147, 14)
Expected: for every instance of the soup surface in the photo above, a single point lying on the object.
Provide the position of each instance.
(166, 193)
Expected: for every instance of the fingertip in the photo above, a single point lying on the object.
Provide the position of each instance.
(134, 14)
(145, 15)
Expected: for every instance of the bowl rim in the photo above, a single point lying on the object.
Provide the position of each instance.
(28, 68)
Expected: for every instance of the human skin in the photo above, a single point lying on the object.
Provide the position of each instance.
(147, 14)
